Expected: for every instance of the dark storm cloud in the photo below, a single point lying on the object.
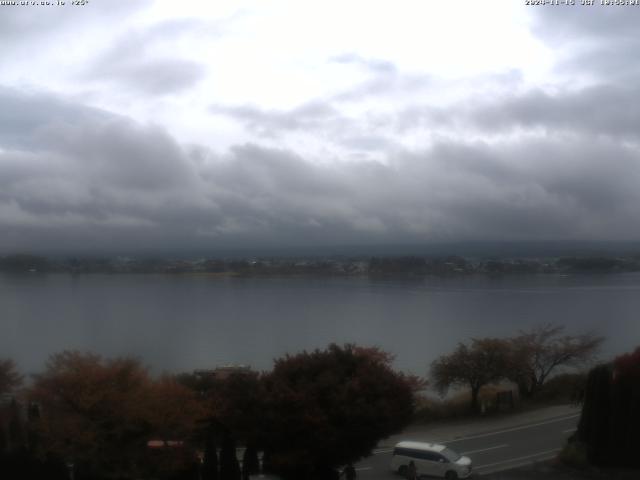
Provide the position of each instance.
(84, 178)
(23, 115)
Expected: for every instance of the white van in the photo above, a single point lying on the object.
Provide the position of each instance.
(430, 459)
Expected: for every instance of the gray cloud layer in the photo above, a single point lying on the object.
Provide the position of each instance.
(600, 40)
(75, 176)
(131, 63)
(506, 164)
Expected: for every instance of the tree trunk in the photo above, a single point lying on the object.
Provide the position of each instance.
(475, 407)
(210, 460)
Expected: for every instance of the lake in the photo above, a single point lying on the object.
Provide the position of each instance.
(179, 323)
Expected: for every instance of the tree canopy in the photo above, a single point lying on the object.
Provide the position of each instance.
(99, 414)
(330, 407)
(484, 361)
(610, 420)
(539, 352)
(528, 359)
(10, 379)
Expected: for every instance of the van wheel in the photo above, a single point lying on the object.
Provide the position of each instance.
(403, 470)
(451, 475)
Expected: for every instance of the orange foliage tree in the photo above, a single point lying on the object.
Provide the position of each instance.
(99, 414)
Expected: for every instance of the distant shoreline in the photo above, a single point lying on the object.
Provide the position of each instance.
(387, 266)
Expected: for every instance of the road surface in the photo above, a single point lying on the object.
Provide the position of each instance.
(492, 450)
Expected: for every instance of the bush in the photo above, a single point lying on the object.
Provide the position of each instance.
(610, 421)
(563, 388)
(429, 409)
(456, 405)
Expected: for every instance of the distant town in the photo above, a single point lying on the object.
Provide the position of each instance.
(322, 266)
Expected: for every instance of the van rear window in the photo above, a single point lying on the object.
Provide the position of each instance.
(418, 454)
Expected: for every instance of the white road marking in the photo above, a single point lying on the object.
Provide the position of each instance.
(524, 463)
(363, 468)
(569, 430)
(483, 449)
(547, 452)
(523, 427)
(482, 435)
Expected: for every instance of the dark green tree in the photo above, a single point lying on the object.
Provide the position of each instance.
(17, 432)
(625, 411)
(250, 462)
(229, 466)
(594, 424)
(210, 460)
(610, 418)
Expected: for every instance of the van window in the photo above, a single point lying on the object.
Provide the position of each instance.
(418, 454)
(431, 456)
(450, 455)
(406, 452)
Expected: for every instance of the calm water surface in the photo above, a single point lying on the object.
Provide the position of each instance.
(178, 323)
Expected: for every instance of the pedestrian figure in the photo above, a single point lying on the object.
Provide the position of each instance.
(350, 472)
(412, 473)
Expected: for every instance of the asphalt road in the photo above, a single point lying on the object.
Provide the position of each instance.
(490, 451)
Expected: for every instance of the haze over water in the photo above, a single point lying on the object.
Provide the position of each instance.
(179, 323)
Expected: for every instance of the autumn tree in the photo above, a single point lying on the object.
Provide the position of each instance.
(10, 379)
(331, 407)
(483, 362)
(91, 412)
(541, 351)
(234, 413)
(172, 410)
(236, 405)
(99, 414)
(172, 414)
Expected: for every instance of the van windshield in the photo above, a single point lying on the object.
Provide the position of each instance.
(450, 455)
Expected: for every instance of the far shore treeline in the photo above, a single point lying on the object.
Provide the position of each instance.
(414, 265)
(92, 418)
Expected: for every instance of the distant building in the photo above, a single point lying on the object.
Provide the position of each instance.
(222, 372)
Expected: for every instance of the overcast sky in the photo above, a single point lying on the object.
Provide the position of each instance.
(163, 124)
